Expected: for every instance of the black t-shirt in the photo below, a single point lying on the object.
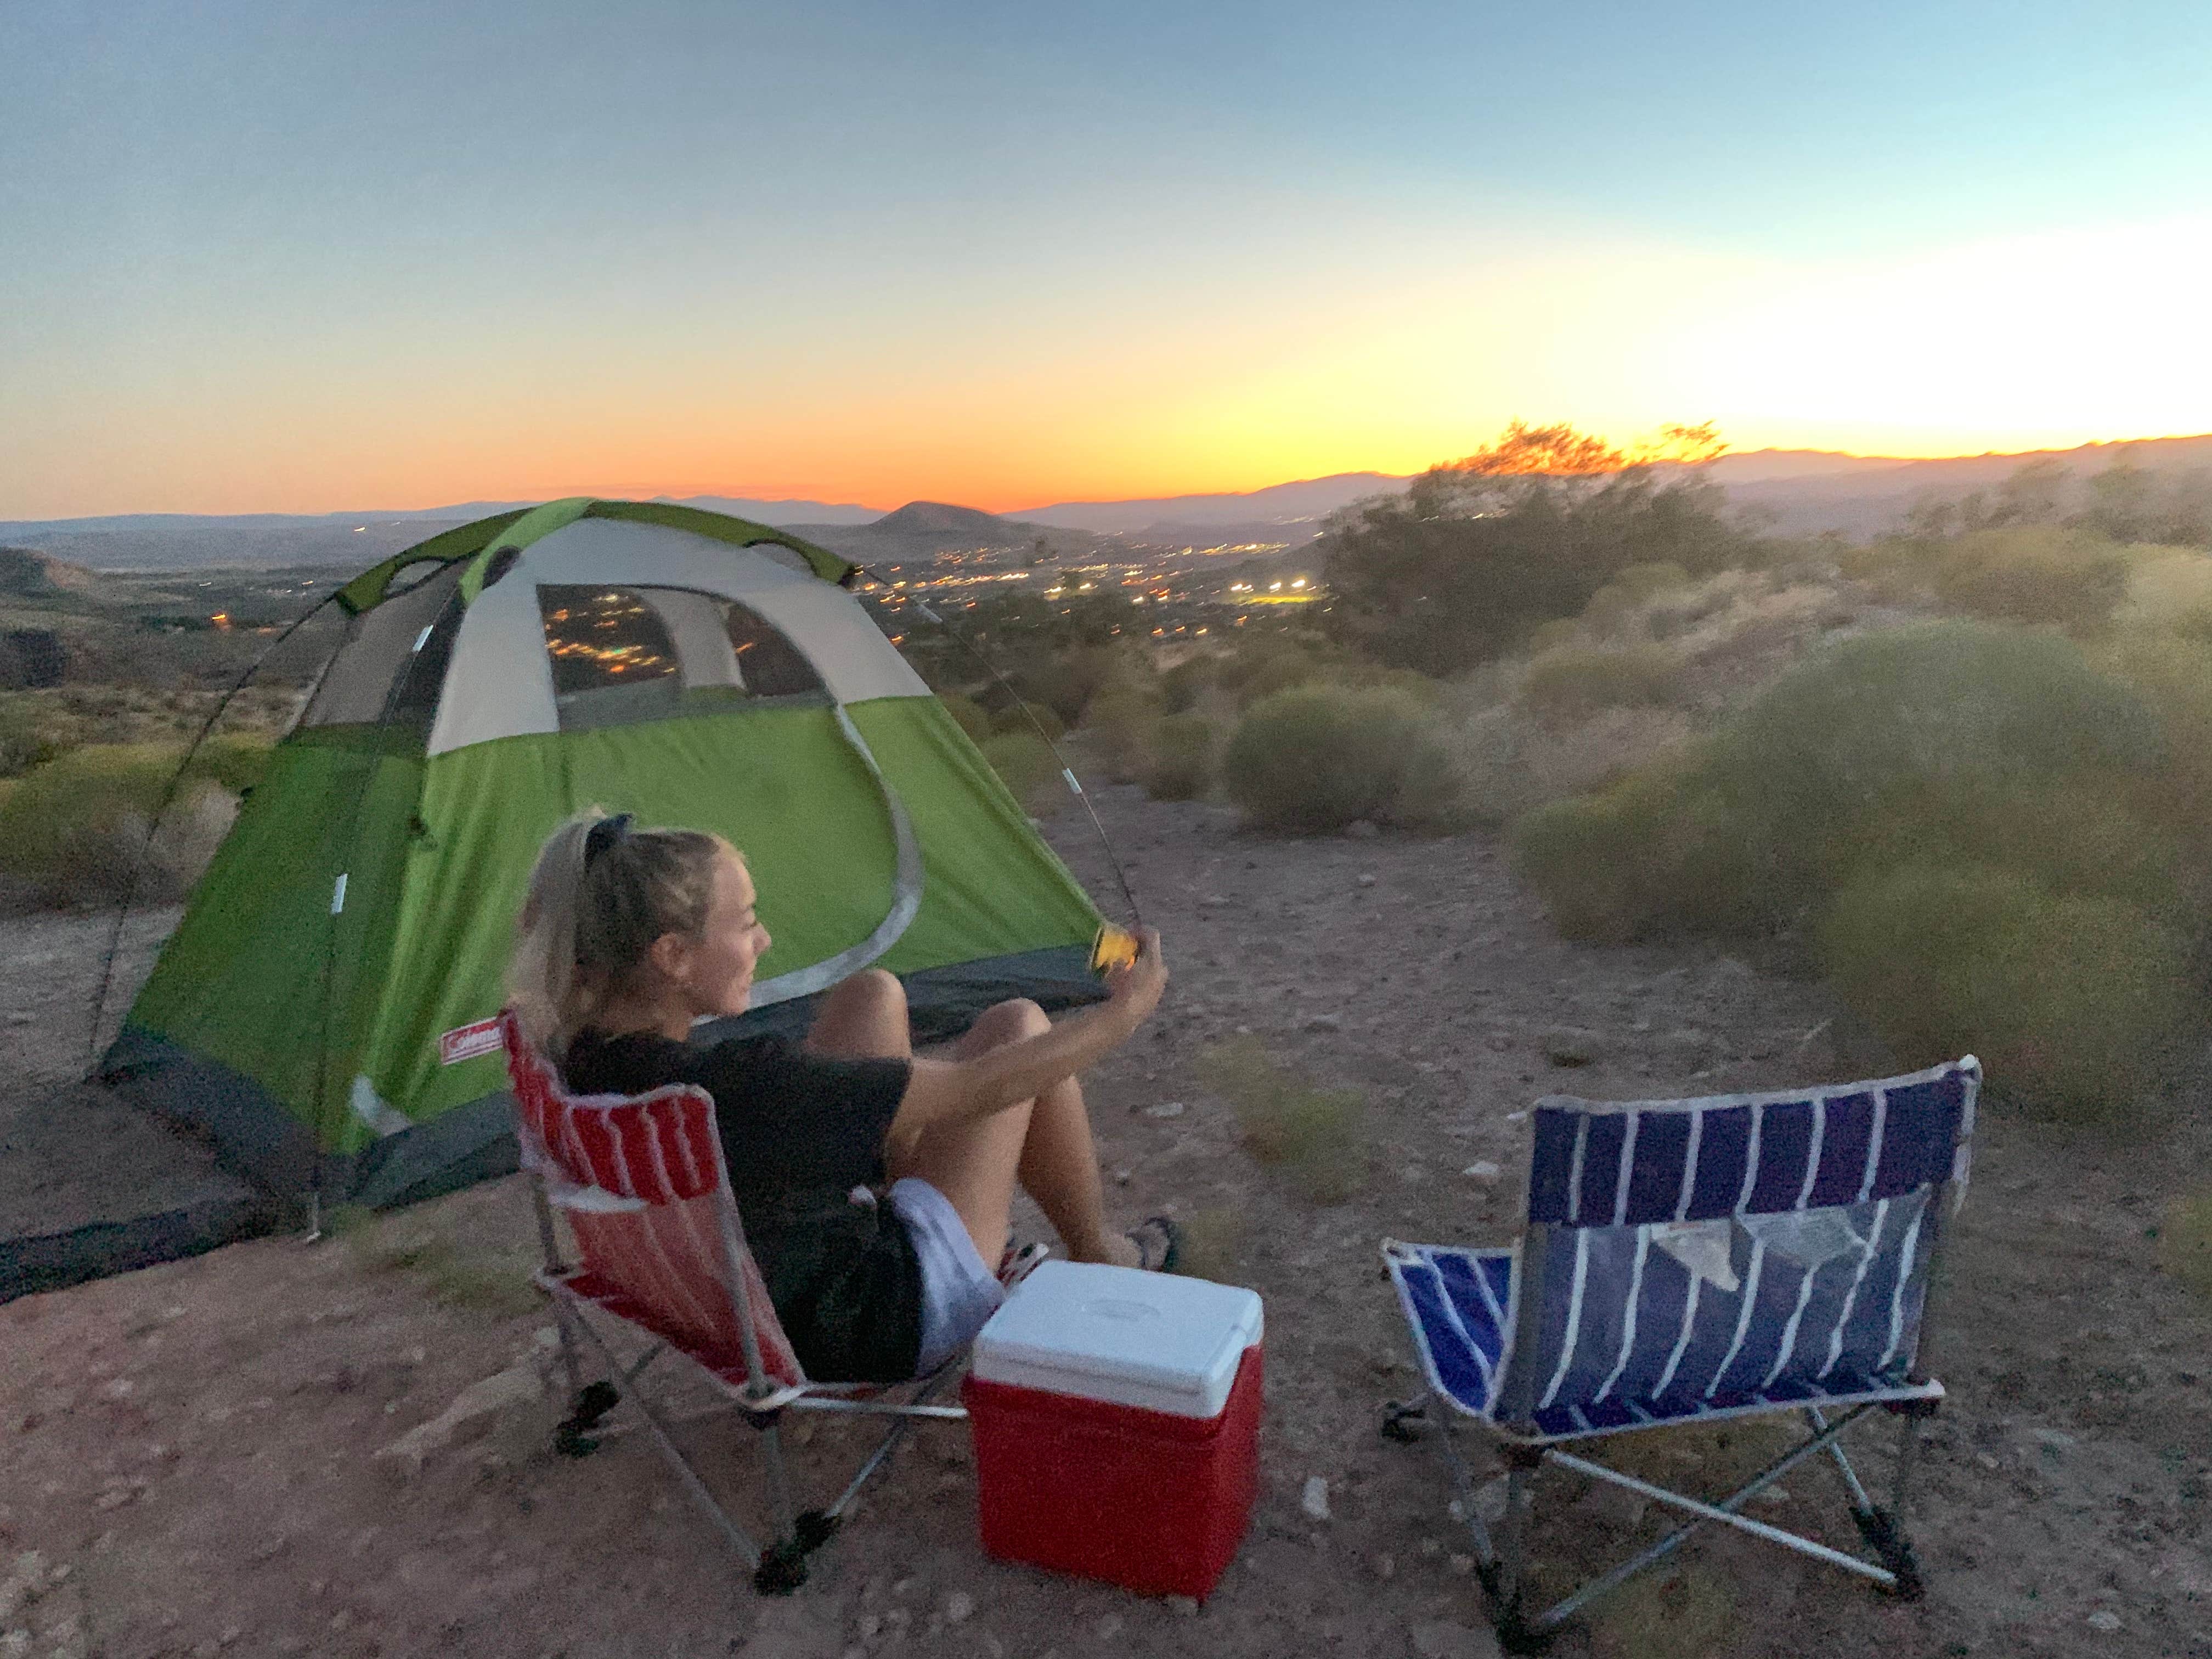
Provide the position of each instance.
(799, 1132)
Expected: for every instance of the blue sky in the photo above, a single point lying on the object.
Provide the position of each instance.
(718, 245)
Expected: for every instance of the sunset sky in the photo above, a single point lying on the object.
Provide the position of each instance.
(267, 255)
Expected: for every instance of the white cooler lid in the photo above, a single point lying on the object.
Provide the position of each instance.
(1120, 1334)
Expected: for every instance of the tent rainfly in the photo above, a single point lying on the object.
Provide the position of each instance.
(325, 1009)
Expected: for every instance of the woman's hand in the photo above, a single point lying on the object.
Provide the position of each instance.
(963, 1090)
(1134, 988)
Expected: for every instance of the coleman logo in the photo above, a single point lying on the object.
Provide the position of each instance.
(467, 1042)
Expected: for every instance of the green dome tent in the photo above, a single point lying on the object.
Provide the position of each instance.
(322, 1011)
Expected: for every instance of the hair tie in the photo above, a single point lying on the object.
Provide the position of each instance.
(606, 834)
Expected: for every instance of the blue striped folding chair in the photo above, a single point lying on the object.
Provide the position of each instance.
(1691, 1261)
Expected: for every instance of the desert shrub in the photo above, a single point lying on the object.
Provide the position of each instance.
(1509, 765)
(968, 714)
(1312, 759)
(1651, 853)
(2172, 675)
(25, 740)
(1031, 717)
(1185, 751)
(77, 825)
(2072, 1002)
(1617, 601)
(2184, 1242)
(1182, 685)
(1068, 681)
(2038, 574)
(1317, 1137)
(1121, 721)
(1261, 668)
(1801, 771)
(1573, 683)
(1939, 732)
(1024, 760)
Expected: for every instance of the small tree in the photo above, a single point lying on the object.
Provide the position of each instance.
(1477, 551)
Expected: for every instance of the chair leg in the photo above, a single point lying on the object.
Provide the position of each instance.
(736, 1535)
(782, 1566)
(1883, 1530)
(1514, 1632)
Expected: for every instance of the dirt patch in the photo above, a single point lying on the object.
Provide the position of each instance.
(192, 1450)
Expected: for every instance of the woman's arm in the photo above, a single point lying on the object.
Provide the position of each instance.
(963, 1090)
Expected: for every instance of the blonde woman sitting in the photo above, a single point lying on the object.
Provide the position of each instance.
(875, 1186)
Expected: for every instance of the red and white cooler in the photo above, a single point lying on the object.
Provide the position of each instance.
(1116, 1416)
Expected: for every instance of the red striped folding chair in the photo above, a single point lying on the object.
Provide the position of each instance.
(663, 1256)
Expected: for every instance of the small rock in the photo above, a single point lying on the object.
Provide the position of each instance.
(1482, 1170)
(1568, 1045)
(1121, 1177)
(1366, 878)
(1165, 1109)
(1386, 1566)
(1461, 1565)
(1773, 1497)
(1109, 1627)
(959, 1607)
(1185, 1607)
(501, 1392)
(1315, 1499)
(2052, 1440)
(1498, 1042)
(1361, 830)
(2104, 1621)
(1491, 1498)
(1324, 1023)
(25, 1580)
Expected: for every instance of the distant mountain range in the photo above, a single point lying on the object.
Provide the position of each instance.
(1797, 491)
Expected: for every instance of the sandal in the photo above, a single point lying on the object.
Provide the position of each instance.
(1020, 1262)
(1159, 1245)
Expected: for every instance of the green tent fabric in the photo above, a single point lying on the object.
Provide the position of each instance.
(320, 1010)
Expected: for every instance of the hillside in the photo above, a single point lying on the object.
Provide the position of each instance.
(923, 529)
(1801, 491)
(27, 573)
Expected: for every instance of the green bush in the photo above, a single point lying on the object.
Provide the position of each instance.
(1314, 758)
(1121, 719)
(1185, 751)
(2038, 574)
(1024, 762)
(968, 713)
(1567, 684)
(1182, 685)
(1650, 855)
(25, 740)
(1031, 717)
(2072, 1003)
(1068, 681)
(77, 825)
(1953, 741)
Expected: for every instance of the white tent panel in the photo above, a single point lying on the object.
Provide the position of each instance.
(501, 683)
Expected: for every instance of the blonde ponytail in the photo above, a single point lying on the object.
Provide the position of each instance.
(592, 915)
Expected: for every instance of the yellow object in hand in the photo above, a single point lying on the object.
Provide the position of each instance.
(1113, 947)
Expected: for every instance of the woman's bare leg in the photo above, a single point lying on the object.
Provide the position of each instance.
(1043, 1144)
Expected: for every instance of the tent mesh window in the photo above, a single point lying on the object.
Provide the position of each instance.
(623, 654)
(392, 655)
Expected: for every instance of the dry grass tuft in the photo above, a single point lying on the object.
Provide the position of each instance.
(1316, 1137)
